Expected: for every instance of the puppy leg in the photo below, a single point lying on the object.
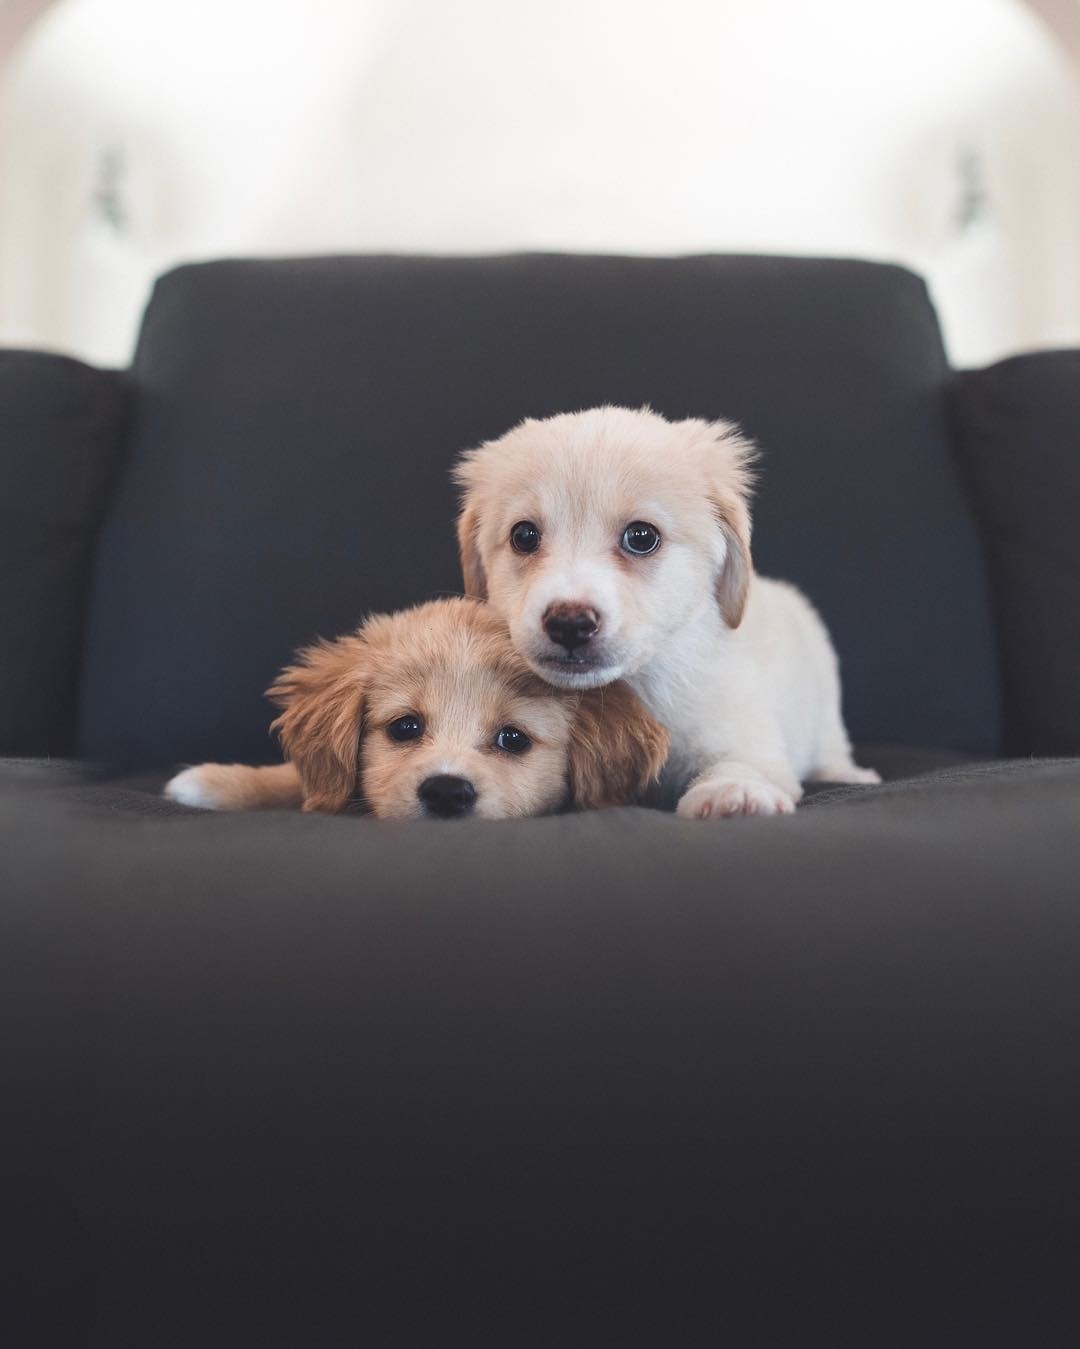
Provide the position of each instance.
(834, 761)
(735, 787)
(844, 770)
(219, 786)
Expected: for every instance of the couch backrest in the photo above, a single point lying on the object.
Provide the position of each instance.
(296, 420)
(62, 426)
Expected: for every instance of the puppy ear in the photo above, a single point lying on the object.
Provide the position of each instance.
(733, 582)
(472, 566)
(728, 463)
(322, 702)
(616, 749)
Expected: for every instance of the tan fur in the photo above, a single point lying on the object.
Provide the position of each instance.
(733, 582)
(616, 748)
(730, 481)
(235, 786)
(472, 568)
(452, 663)
(321, 699)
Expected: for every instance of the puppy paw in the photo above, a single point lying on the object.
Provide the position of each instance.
(734, 796)
(846, 772)
(196, 787)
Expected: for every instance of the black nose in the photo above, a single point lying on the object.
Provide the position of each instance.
(447, 796)
(570, 625)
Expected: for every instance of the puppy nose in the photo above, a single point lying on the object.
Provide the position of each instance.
(447, 796)
(570, 625)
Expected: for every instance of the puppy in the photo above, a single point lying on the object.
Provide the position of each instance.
(431, 712)
(616, 545)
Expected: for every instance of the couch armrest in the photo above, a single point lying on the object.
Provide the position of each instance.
(61, 439)
(1017, 431)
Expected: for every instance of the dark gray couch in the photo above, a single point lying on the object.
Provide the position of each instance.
(605, 1079)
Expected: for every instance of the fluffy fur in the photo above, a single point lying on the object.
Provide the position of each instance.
(739, 668)
(450, 663)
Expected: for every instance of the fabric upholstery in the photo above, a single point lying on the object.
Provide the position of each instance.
(297, 419)
(1018, 434)
(603, 1079)
(61, 437)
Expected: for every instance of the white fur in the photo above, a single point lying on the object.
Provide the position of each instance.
(191, 788)
(213, 786)
(753, 709)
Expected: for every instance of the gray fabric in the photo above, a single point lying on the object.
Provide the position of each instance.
(1017, 427)
(610, 1078)
(297, 419)
(61, 442)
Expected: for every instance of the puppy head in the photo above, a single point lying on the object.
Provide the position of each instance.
(598, 534)
(432, 712)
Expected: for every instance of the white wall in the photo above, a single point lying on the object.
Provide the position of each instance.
(941, 133)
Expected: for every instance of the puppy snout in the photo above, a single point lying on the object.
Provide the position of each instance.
(570, 625)
(447, 796)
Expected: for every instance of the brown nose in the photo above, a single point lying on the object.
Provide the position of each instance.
(570, 625)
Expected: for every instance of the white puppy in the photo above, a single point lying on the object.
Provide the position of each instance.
(616, 545)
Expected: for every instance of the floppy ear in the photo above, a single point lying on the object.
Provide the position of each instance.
(322, 702)
(733, 583)
(727, 458)
(616, 748)
(472, 567)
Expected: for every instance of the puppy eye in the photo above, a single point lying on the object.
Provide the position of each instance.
(524, 537)
(512, 740)
(408, 727)
(640, 538)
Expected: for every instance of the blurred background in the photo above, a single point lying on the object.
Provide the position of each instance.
(943, 134)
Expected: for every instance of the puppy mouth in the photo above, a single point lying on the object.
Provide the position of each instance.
(574, 671)
(570, 662)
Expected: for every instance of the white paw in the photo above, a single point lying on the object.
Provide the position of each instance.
(734, 796)
(192, 787)
(846, 772)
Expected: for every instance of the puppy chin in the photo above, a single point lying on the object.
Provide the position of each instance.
(573, 674)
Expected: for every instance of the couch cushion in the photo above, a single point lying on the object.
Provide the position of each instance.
(297, 420)
(1018, 432)
(613, 1078)
(61, 425)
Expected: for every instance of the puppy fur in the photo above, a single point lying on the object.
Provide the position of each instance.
(740, 669)
(451, 664)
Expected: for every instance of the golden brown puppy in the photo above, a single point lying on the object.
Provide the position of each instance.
(431, 712)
